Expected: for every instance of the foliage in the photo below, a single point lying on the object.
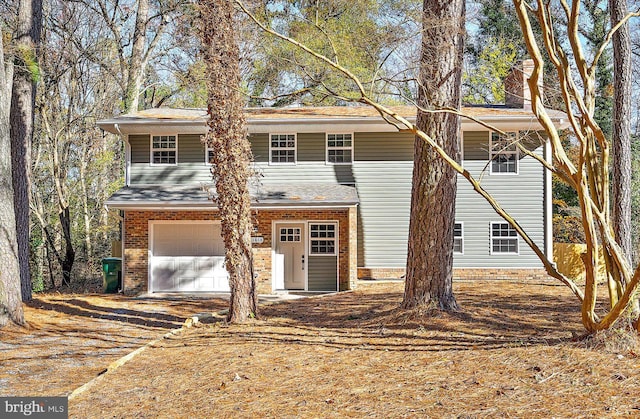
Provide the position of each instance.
(485, 83)
(362, 34)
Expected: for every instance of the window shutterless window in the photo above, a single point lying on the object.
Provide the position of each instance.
(282, 148)
(208, 154)
(504, 153)
(504, 238)
(164, 149)
(322, 239)
(458, 239)
(290, 234)
(339, 148)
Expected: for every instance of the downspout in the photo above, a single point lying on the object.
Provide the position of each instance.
(121, 213)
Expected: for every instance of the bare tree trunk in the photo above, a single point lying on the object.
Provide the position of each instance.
(66, 263)
(430, 250)
(10, 295)
(22, 114)
(232, 153)
(136, 70)
(621, 128)
(85, 208)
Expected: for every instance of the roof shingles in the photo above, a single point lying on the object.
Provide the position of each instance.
(202, 195)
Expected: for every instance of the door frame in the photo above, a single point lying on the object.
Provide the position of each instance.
(150, 241)
(274, 240)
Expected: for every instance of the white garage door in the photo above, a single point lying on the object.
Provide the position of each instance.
(187, 257)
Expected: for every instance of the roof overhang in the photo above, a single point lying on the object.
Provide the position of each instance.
(202, 197)
(195, 122)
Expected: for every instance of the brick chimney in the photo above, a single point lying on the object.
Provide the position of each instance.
(518, 94)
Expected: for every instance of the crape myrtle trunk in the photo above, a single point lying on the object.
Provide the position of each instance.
(232, 153)
(430, 249)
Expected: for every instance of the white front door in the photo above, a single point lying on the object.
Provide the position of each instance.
(290, 263)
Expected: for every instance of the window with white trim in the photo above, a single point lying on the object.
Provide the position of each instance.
(208, 154)
(290, 234)
(339, 148)
(504, 238)
(504, 153)
(282, 148)
(322, 239)
(458, 239)
(164, 149)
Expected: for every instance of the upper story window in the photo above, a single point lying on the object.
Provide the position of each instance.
(339, 148)
(208, 154)
(164, 149)
(282, 148)
(322, 239)
(504, 239)
(504, 153)
(458, 239)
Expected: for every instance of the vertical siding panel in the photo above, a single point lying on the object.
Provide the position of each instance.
(322, 273)
(190, 149)
(140, 148)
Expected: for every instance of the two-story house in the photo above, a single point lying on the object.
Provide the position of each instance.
(331, 199)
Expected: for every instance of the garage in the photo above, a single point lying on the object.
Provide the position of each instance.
(186, 256)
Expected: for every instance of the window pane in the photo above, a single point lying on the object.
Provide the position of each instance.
(322, 239)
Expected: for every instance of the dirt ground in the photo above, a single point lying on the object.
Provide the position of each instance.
(70, 338)
(511, 352)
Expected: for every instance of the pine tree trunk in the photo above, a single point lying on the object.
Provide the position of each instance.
(22, 115)
(621, 137)
(430, 250)
(10, 295)
(232, 153)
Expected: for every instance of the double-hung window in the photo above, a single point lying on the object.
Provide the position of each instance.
(504, 239)
(208, 154)
(458, 239)
(504, 153)
(323, 239)
(339, 148)
(164, 149)
(282, 148)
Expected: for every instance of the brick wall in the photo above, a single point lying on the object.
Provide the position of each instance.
(136, 257)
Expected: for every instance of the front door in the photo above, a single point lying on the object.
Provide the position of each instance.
(290, 255)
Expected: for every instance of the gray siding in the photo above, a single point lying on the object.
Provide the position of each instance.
(140, 148)
(191, 165)
(476, 145)
(190, 149)
(323, 273)
(522, 195)
(384, 189)
(382, 172)
(260, 147)
(310, 167)
(371, 146)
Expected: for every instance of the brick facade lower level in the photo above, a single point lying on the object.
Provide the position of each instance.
(136, 242)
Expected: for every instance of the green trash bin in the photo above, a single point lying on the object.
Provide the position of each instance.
(112, 274)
